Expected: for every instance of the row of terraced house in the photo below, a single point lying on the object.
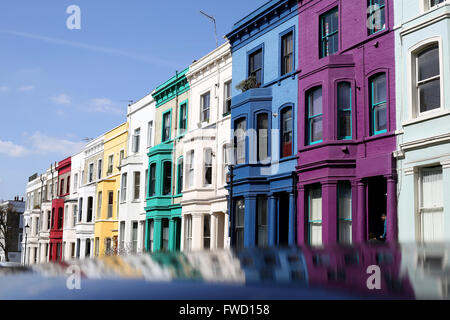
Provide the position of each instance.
(312, 121)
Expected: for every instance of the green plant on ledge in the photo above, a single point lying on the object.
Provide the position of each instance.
(248, 84)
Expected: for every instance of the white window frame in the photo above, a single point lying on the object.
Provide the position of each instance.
(110, 164)
(225, 98)
(150, 134)
(202, 110)
(188, 232)
(123, 187)
(420, 207)
(136, 140)
(412, 77)
(136, 187)
(190, 170)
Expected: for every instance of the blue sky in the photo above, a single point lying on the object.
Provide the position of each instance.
(59, 86)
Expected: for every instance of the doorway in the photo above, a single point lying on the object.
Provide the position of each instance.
(376, 205)
(283, 219)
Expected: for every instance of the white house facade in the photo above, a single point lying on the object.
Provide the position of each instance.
(132, 214)
(204, 201)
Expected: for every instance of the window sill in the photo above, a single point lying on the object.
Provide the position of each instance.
(425, 117)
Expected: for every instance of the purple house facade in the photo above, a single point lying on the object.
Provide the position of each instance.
(346, 137)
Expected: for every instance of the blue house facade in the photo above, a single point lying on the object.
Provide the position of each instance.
(263, 125)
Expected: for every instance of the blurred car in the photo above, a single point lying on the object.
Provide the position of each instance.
(292, 273)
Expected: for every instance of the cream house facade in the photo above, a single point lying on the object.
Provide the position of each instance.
(204, 202)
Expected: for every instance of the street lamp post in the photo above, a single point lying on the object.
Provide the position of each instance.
(25, 252)
(230, 177)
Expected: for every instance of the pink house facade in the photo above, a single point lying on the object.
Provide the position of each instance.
(346, 139)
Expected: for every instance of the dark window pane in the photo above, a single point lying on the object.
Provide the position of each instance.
(428, 63)
(167, 178)
(430, 95)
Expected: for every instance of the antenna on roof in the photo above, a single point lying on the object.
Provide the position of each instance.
(215, 27)
(130, 102)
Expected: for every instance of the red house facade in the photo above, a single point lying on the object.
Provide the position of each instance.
(57, 223)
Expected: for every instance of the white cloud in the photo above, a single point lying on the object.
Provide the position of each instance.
(13, 150)
(103, 105)
(44, 144)
(26, 88)
(62, 99)
(4, 89)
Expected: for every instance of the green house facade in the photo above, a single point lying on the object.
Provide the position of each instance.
(163, 209)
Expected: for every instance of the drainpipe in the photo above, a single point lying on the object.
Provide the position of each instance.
(174, 154)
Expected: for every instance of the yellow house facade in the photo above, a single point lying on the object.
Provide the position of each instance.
(108, 191)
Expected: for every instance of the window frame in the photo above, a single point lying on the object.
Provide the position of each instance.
(180, 175)
(244, 140)
(309, 118)
(413, 76)
(202, 106)
(311, 222)
(344, 220)
(251, 53)
(207, 166)
(339, 111)
(136, 187)
(163, 137)
(282, 35)
(183, 106)
(227, 99)
(269, 126)
(150, 134)
(264, 227)
(322, 37)
(152, 182)
(420, 201)
(99, 204)
(371, 11)
(164, 181)
(123, 187)
(136, 143)
(373, 105)
(110, 205)
(190, 170)
(188, 232)
(282, 110)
